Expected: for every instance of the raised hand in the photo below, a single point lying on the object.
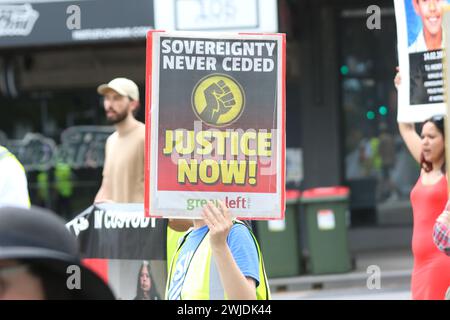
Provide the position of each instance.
(397, 79)
(219, 100)
(219, 222)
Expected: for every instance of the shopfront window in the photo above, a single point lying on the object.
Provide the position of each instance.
(62, 175)
(378, 167)
(56, 124)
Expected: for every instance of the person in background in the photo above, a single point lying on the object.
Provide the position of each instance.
(64, 189)
(430, 277)
(13, 181)
(123, 172)
(39, 259)
(441, 230)
(441, 236)
(386, 150)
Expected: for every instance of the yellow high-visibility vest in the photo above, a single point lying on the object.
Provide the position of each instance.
(173, 241)
(5, 153)
(202, 281)
(63, 177)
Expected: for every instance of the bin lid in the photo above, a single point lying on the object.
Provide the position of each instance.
(293, 195)
(326, 192)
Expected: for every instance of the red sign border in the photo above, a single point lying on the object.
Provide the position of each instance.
(148, 96)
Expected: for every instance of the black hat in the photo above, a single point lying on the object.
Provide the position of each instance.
(40, 239)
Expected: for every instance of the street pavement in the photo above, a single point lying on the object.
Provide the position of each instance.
(393, 283)
(400, 292)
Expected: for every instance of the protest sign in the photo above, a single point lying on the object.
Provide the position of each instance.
(215, 124)
(420, 44)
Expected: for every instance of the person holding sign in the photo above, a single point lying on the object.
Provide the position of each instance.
(430, 277)
(430, 37)
(219, 259)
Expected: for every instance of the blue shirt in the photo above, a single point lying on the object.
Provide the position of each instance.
(242, 248)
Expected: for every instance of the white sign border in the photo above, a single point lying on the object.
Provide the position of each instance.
(154, 210)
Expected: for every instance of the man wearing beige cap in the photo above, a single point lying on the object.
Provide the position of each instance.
(123, 172)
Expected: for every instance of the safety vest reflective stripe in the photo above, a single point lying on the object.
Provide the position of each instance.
(202, 280)
(263, 291)
(173, 241)
(216, 290)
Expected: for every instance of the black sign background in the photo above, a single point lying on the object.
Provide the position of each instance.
(116, 242)
(419, 93)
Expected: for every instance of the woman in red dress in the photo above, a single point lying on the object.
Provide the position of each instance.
(431, 272)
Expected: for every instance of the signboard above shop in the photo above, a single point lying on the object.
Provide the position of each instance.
(217, 15)
(50, 22)
(61, 22)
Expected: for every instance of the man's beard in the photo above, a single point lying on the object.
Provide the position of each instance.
(117, 118)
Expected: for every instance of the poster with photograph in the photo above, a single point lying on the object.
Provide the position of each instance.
(420, 37)
(215, 124)
(127, 249)
(132, 279)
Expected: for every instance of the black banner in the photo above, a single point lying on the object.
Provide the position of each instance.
(125, 248)
(119, 231)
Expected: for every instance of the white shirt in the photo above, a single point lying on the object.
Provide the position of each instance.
(13, 181)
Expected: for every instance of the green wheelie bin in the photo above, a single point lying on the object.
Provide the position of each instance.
(279, 241)
(326, 225)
